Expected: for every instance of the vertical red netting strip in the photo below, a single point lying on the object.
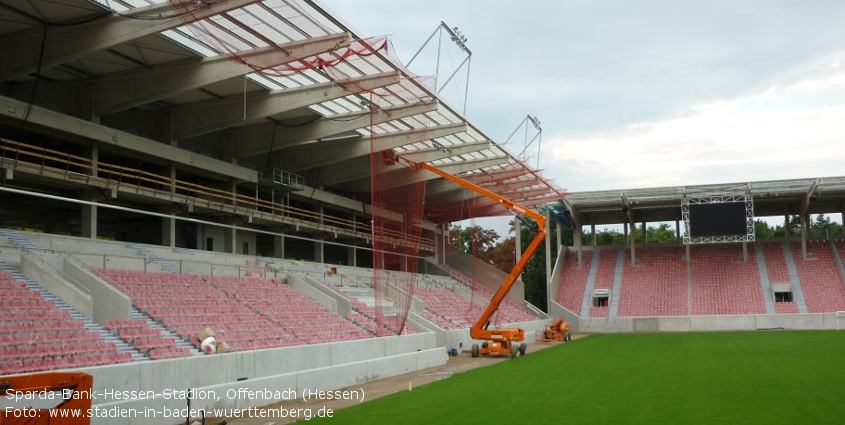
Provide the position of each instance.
(397, 198)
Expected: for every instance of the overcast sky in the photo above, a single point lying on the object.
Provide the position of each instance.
(645, 93)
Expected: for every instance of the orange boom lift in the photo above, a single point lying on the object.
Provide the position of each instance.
(73, 410)
(558, 330)
(497, 342)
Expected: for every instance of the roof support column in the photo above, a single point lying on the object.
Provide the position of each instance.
(351, 255)
(89, 221)
(593, 231)
(625, 234)
(576, 230)
(745, 252)
(549, 256)
(633, 245)
(576, 236)
(645, 234)
(319, 247)
(629, 211)
(230, 239)
(278, 242)
(804, 236)
(842, 210)
(786, 225)
(804, 212)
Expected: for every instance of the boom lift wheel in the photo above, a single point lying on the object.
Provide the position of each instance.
(484, 344)
(514, 351)
(475, 350)
(523, 347)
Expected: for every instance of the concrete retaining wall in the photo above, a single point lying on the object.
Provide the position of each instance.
(109, 303)
(322, 366)
(485, 273)
(289, 386)
(325, 296)
(808, 321)
(203, 371)
(59, 287)
(556, 310)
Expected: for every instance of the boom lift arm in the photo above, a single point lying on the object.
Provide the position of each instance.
(479, 330)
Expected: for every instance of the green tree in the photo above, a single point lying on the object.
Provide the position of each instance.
(661, 234)
(762, 230)
(823, 226)
(475, 240)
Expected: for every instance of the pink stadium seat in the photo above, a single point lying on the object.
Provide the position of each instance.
(821, 280)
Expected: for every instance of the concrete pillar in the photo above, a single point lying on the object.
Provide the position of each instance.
(625, 233)
(518, 239)
(687, 257)
(172, 178)
(169, 131)
(745, 251)
(89, 214)
(95, 157)
(278, 243)
(804, 230)
(318, 251)
(351, 256)
(645, 234)
(633, 246)
(593, 231)
(234, 189)
(230, 239)
(842, 209)
(576, 239)
(786, 225)
(168, 231)
(89, 221)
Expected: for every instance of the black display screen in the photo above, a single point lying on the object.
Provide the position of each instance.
(725, 219)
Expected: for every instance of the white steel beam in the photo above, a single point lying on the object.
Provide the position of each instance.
(335, 151)
(134, 88)
(64, 43)
(255, 140)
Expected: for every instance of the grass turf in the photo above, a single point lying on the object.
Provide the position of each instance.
(683, 378)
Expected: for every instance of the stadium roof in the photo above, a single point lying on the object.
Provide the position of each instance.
(771, 198)
(143, 65)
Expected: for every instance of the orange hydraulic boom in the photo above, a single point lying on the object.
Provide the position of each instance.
(558, 330)
(497, 341)
(73, 389)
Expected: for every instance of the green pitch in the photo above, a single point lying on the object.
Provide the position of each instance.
(684, 378)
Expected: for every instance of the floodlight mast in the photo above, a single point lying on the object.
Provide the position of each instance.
(500, 339)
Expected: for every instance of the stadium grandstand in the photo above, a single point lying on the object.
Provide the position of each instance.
(174, 171)
(725, 280)
(168, 167)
